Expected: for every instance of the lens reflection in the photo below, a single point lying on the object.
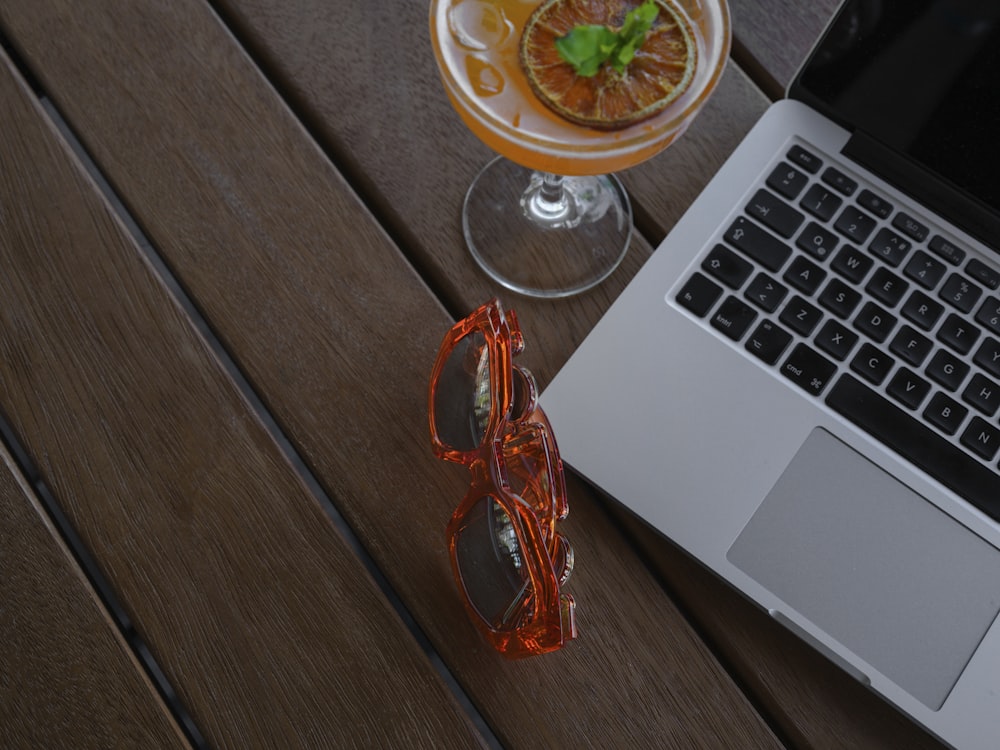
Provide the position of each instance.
(463, 399)
(491, 563)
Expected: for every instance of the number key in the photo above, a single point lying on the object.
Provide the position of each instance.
(890, 247)
(989, 314)
(787, 180)
(924, 270)
(960, 292)
(854, 224)
(820, 202)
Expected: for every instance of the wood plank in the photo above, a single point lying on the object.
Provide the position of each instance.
(338, 334)
(807, 695)
(773, 37)
(68, 677)
(265, 622)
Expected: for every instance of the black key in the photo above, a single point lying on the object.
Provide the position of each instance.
(945, 413)
(983, 273)
(808, 369)
(787, 180)
(988, 356)
(957, 333)
(907, 388)
(890, 247)
(699, 294)
(960, 292)
(855, 224)
(917, 443)
(871, 202)
(804, 275)
(872, 364)
(820, 202)
(981, 438)
(768, 341)
(839, 298)
(911, 346)
(839, 181)
(766, 292)
(774, 213)
(852, 264)
(805, 159)
(910, 226)
(875, 322)
(836, 339)
(817, 241)
(925, 270)
(758, 244)
(886, 287)
(922, 310)
(947, 369)
(733, 318)
(982, 393)
(989, 314)
(727, 266)
(801, 316)
(946, 249)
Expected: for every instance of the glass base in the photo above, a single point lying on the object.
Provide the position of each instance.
(543, 235)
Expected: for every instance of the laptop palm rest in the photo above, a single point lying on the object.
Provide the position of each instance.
(840, 540)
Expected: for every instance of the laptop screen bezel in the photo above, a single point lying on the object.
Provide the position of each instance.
(852, 35)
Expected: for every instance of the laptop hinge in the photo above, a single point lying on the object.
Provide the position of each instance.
(941, 197)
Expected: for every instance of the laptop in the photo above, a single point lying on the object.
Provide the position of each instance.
(801, 387)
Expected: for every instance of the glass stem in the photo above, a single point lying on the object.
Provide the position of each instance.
(546, 201)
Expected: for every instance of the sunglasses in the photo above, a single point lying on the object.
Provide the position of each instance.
(509, 561)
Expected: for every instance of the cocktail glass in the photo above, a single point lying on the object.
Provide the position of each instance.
(547, 218)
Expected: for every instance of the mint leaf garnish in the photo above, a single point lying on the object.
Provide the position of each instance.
(588, 47)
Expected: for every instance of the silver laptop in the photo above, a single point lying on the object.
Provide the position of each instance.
(801, 386)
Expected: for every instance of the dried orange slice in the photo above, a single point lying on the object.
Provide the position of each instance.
(660, 71)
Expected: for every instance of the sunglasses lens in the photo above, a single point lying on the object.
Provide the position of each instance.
(491, 563)
(463, 398)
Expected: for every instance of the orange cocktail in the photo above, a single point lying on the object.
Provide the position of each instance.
(477, 47)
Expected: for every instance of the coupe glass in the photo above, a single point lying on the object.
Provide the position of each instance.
(546, 218)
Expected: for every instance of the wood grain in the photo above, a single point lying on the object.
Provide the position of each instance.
(402, 131)
(68, 678)
(338, 333)
(268, 626)
(773, 37)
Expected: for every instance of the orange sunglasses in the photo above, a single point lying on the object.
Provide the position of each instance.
(508, 559)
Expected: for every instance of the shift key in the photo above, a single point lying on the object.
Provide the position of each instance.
(808, 369)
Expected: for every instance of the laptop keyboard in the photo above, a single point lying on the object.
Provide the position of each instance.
(869, 308)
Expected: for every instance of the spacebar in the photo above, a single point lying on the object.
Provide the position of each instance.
(916, 442)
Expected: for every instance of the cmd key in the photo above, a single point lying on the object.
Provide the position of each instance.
(808, 369)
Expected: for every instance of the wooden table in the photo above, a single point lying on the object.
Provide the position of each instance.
(230, 245)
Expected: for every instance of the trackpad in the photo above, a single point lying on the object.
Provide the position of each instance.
(875, 565)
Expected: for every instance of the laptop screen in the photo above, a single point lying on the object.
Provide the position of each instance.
(918, 83)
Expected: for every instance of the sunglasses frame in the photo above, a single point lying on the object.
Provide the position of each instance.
(546, 618)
